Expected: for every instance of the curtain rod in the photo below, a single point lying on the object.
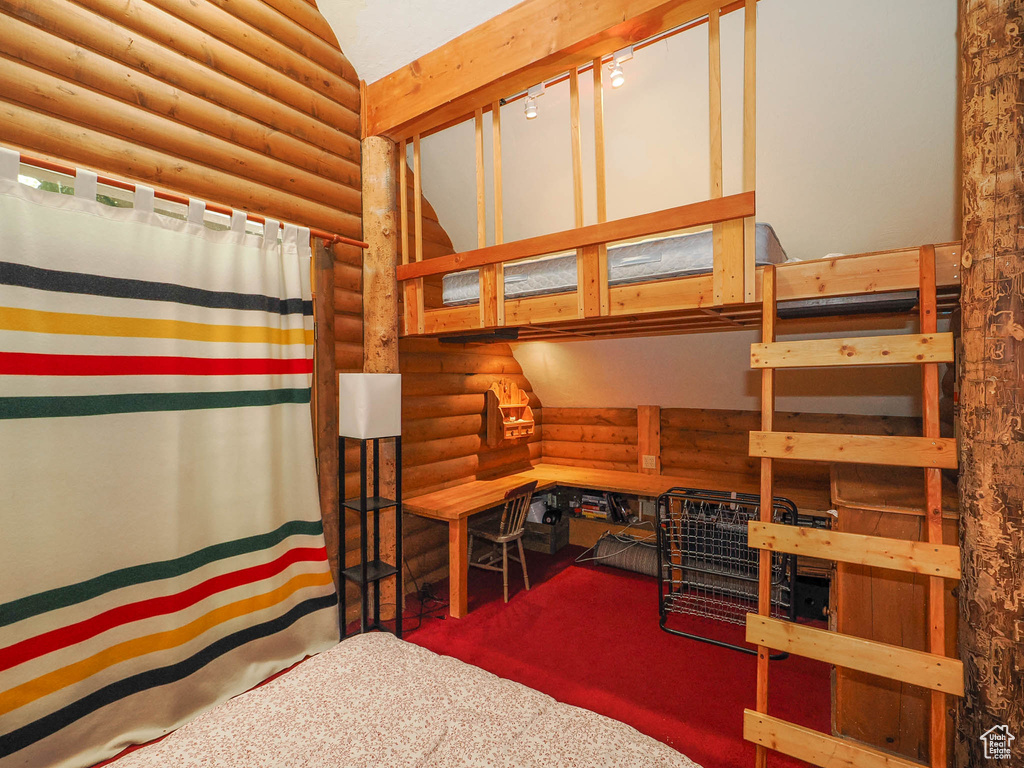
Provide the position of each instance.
(67, 170)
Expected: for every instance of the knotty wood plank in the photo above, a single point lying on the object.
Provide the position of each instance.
(814, 747)
(896, 450)
(927, 670)
(865, 350)
(941, 560)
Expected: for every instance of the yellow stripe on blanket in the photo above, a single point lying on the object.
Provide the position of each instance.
(37, 321)
(53, 681)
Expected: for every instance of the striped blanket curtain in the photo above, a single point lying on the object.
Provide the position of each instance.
(161, 548)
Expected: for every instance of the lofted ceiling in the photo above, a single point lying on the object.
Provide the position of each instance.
(379, 36)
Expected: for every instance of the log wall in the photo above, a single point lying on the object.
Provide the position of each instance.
(248, 103)
(696, 439)
(443, 433)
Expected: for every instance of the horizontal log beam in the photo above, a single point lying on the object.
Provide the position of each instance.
(914, 348)
(894, 662)
(535, 41)
(856, 449)
(682, 217)
(874, 551)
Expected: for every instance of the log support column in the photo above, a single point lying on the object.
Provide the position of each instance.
(991, 417)
(380, 309)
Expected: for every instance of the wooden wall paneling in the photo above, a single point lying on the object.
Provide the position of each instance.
(444, 398)
(26, 128)
(887, 714)
(41, 49)
(243, 53)
(90, 31)
(41, 91)
(284, 27)
(649, 439)
(137, 106)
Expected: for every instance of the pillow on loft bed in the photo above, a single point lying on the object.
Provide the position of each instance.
(655, 258)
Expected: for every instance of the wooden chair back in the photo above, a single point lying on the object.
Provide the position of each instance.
(517, 504)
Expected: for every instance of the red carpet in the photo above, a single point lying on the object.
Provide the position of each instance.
(588, 635)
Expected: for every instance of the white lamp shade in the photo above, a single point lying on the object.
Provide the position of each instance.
(369, 405)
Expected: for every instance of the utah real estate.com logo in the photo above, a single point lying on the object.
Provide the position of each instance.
(997, 742)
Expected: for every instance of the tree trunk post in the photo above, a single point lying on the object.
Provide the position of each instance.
(991, 414)
(380, 310)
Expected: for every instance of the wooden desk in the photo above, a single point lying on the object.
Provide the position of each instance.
(455, 505)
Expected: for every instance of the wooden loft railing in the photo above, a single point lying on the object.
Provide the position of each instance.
(586, 38)
(932, 670)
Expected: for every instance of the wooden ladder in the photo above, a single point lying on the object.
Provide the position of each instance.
(932, 670)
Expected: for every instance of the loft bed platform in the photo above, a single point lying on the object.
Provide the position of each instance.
(690, 304)
(722, 294)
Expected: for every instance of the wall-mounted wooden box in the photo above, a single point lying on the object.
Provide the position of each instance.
(509, 416)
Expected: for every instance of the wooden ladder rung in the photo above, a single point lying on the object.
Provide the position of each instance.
(876, 551)
(896, 450)
(927, 670)
(914, 348)
(815, 747)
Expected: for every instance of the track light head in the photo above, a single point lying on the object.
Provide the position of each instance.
(531, 108)
(618, 78)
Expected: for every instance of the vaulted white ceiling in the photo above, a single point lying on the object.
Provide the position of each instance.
(379, 36)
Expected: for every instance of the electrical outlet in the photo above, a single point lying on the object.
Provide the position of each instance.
(650, 462)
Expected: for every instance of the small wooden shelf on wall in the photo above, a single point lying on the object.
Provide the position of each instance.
(509, 416)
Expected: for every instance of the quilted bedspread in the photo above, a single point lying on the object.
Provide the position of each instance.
(376, 701)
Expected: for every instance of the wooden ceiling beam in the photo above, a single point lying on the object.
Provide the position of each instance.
(527, 44)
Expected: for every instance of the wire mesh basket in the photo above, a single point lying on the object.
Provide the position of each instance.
(705, 567)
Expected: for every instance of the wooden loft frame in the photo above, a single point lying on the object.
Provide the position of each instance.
(686, 305)
(441, 89)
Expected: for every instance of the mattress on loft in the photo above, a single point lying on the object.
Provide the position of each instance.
(653, 259)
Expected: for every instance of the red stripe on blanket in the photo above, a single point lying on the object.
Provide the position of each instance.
(30, 364)
(63, 637)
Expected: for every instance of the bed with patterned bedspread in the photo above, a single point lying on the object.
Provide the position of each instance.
(378, 701)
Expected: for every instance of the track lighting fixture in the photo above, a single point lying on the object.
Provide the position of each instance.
(531, 100)
(617, 75)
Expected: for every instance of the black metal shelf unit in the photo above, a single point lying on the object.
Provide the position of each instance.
(706, 569)
(370, 571)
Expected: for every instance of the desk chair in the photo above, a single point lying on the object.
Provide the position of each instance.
(504, 530)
